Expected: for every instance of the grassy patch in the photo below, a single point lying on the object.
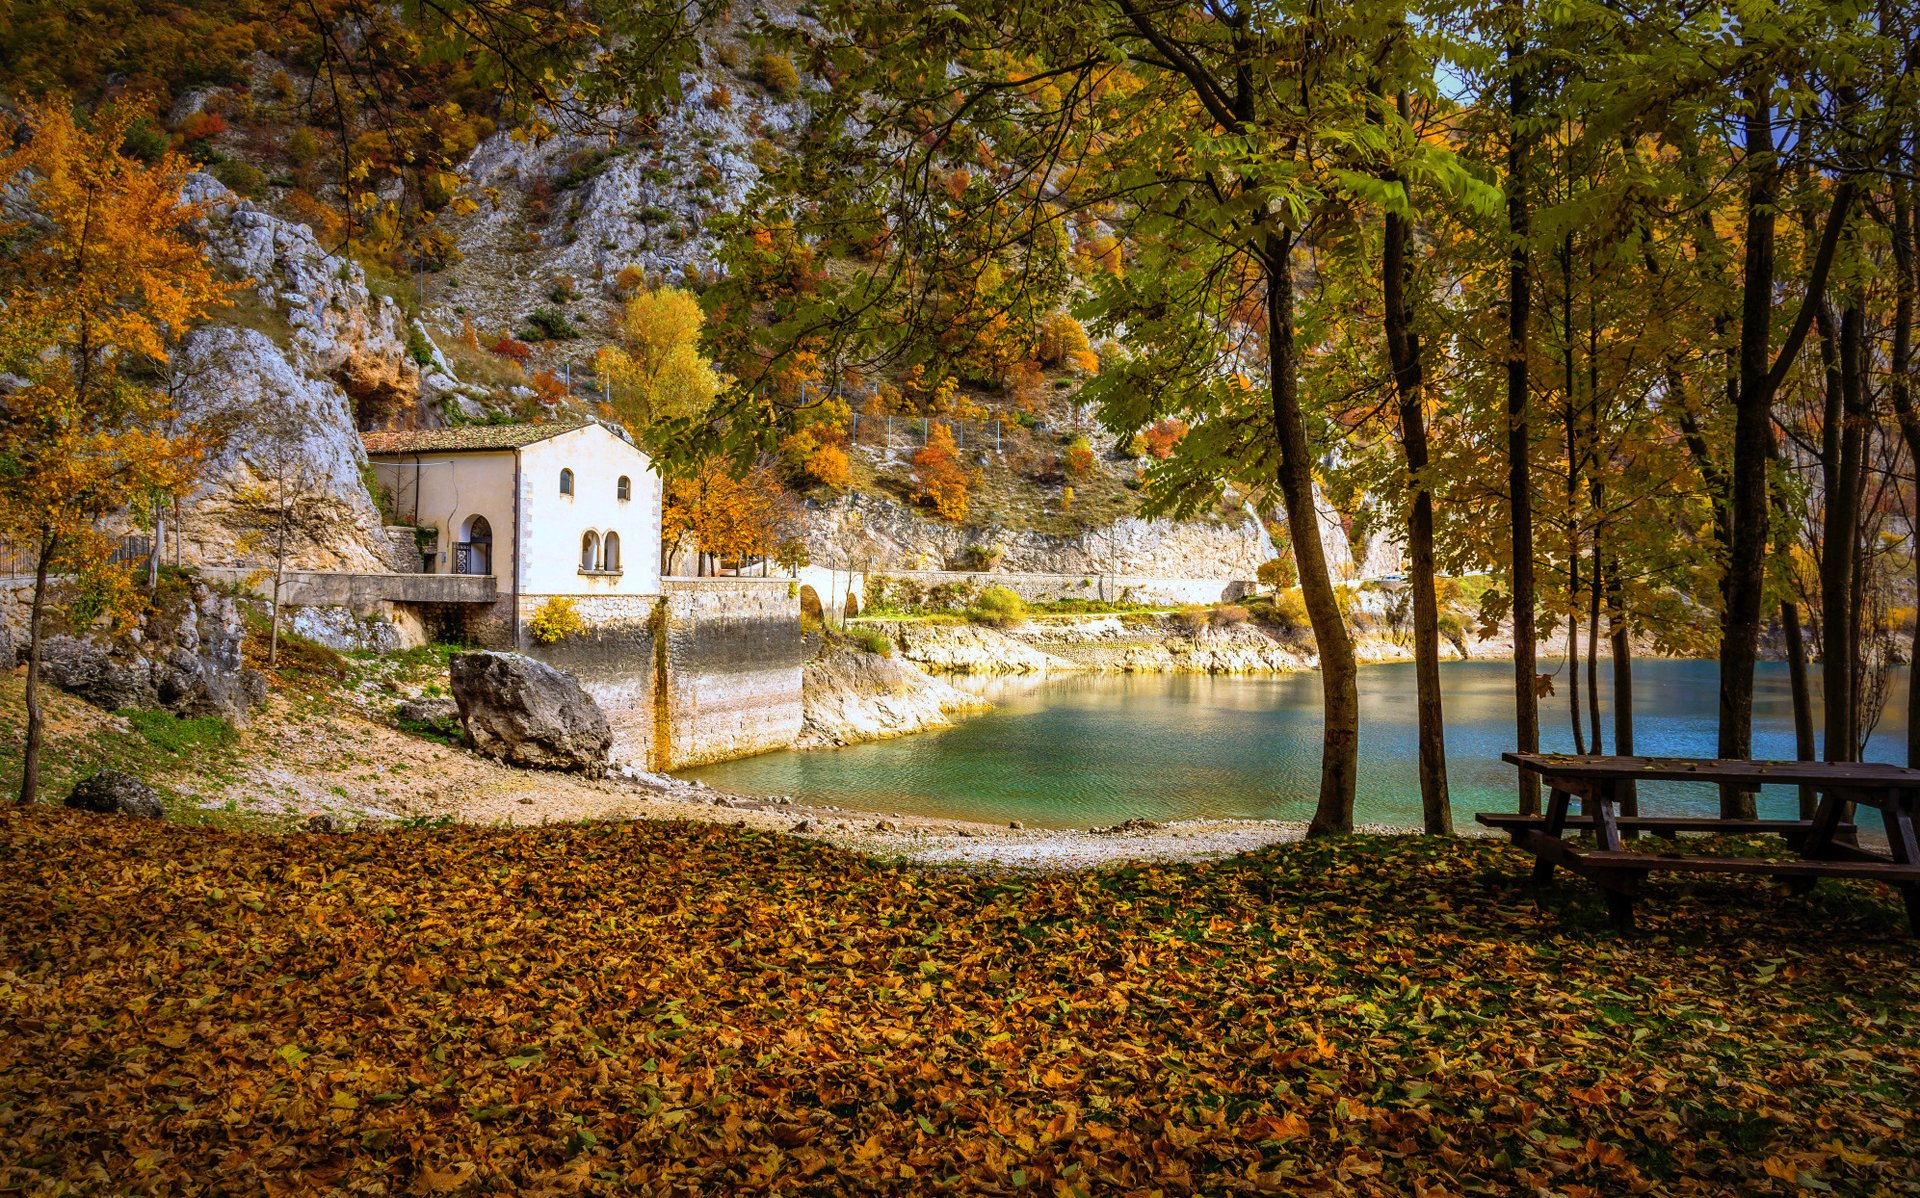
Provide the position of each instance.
(670, 1006)
(172, 734)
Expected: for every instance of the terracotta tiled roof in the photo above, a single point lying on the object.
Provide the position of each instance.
(472, 438)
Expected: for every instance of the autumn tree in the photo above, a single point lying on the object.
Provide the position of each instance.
(100, 274)
(657, 371)
(741, 516)
(940, 479)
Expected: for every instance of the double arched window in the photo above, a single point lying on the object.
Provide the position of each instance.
(599, 555)
(566, 482)
(623, 491)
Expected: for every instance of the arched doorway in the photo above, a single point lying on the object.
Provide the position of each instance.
(473, 554)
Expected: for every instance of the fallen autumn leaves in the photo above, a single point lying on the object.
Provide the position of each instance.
(688, 1008)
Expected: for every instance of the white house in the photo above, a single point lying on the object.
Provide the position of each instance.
(567, 509)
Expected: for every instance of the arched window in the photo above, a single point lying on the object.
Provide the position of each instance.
(473, 553)
(624, 490)
(589, 551)
(566, 482)
(610, 553)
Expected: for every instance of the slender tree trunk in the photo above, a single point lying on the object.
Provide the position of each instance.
(1840, 536)
(1340, 741)
(36, 629)
(1620, 632)
(1403, 348)
(1593, 650)
(1570, 415)
(1900, 360)
(1526, 697)
(1752, 442)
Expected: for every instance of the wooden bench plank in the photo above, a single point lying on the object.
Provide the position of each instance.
(1660, 823)
(1836, 774)
(1880, 871)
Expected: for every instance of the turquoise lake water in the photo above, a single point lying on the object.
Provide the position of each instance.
(1085, 750)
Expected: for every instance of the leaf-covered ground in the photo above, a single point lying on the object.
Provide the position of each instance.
(682, 1008)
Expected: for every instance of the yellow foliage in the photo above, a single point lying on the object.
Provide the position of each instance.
(657, 370)
(556, 619)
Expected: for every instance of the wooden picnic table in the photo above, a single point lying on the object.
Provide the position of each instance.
(1823, 842)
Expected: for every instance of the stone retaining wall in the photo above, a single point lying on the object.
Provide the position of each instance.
(833, 585)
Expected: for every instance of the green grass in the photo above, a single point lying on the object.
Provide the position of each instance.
(173, 734)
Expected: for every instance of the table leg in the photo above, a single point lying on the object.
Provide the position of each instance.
(1556, 827)
(1817, 844)
(1906, 851)
(1617, 885)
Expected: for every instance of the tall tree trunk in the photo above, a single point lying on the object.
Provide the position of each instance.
(36, 627)
(1840, 635)
(1570, 415)
(1526, 700)
(1598, 745)
(1906, 283)
(1403, 348)
(1339, 685)
(1760, 375)
(1752, 441)
(1621, 634)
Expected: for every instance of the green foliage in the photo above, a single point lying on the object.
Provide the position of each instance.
(243, 178)
(419, 348)
(998, 606)
(167, 731)
(872, 640)
(547, 324)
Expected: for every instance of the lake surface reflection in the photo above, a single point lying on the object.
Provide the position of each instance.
(1085, 750)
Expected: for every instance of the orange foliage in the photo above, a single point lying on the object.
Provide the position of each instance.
(548, 388)
(940, 481)
(1163, 435)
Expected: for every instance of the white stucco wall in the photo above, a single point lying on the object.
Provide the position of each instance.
(552, 524)
(447, 490)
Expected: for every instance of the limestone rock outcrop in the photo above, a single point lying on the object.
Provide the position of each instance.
(850, 695)
(524, 712)
(111, 792)
(182, 655)
(969, 649)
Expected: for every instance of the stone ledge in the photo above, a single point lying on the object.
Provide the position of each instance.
(305, 588)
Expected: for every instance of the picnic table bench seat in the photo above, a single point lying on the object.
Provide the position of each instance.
(1599, 782)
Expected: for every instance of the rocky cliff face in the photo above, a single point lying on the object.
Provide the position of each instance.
(305, 358)
(182, 655)
(850, 695)
(878, 534)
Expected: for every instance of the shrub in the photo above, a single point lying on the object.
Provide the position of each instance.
(1226, 615)
(942, 483)
(1278, 574)
(242, 178)
(1079, 457)
(418, 347)
(979, 557)
(507, 347)
(1290, 607)
(998, 606)
(776, 73)
(555, 620)
(1061, 341)
(144, 141)
(1192, 619)
(872, 640)
(545, 324)
(810, 461)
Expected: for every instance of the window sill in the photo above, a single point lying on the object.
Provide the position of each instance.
(601, 573)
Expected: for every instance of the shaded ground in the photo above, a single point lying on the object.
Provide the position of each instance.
(675, 1007)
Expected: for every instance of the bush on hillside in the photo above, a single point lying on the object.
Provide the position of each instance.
(776, 73)
(872, 640)
(999, 607)
(555, 620)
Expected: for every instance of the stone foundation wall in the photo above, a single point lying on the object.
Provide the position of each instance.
(724, 683)
(614, 661)
(732, 665)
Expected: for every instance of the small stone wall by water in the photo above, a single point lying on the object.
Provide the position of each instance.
(708, 670)
(1035, 588)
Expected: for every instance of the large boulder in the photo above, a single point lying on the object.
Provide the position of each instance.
(524, 712)
(111, 792)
